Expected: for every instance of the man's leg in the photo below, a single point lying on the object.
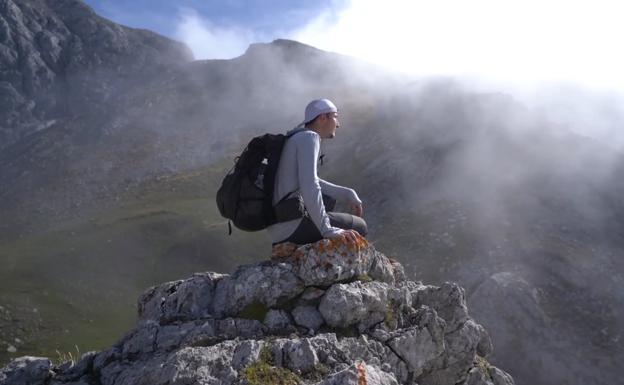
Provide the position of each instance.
(348, 222)
(307, 232)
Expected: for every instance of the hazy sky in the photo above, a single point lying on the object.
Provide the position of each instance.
(516, 41)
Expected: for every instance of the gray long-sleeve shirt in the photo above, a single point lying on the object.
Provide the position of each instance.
(297, 172)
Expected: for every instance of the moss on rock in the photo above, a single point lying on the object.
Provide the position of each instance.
(262, 371)
(255, 310)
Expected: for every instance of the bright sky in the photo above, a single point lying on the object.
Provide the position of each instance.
(507, 40)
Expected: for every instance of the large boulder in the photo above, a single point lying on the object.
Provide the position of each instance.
(26, 370)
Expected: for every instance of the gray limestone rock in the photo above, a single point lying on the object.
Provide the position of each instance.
(485, 346)
(461, 347)
(203, 333)
(86, 380)
(213, 328)
(464, 343)
(140, 341)
(385, 269)
(200, 365)
(278, 322)
(153, 339)
(476, 376)
(359, 374)
(509, 296)
(499, 377)
(308, 317)
(448, 300)
(299, 356)
(350, 304)
(375, 353)
(312, 294)
(77, 369)
(324, 263)
(266, 284)
(170, 337)
(231, 328)
(302, 355)
(26, 370)
(180, 300)
(106, 357)
(245, 353)
(419, 345)
(111, 372)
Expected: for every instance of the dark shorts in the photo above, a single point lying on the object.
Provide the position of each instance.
(307, 232)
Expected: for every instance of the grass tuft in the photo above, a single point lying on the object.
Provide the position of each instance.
(62, 357)
(482, 364)
(262, 371)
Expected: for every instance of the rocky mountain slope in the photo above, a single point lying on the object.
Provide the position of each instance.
(59, 59)
(324, 313)
(473, 186)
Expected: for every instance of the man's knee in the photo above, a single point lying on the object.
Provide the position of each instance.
(347, 221)
(359, 225)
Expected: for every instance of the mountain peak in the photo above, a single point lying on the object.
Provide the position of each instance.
(283, 43)
(285, 46)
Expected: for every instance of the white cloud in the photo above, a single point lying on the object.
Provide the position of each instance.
(512, 41)
(209, 41)
(516, 45)
(517, 41)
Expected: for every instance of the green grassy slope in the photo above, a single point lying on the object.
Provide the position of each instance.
(76, 283)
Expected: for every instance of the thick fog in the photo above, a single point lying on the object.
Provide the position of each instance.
(476, 184)
(557, 57)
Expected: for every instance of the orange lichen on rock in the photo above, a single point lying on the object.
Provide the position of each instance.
(359, 244)
(361, 374)
(283, 250)
(328, 247)
(335, 243)
(298, 255)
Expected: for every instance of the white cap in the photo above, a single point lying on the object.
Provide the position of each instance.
(316, 108)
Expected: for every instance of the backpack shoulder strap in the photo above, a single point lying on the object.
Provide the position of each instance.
(295, 131)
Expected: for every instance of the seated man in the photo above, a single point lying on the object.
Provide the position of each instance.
(297, 179)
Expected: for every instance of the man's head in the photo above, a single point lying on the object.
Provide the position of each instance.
(321, 116)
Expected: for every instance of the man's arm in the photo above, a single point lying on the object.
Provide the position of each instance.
(339, 192)
(308, 147)
(345, 194)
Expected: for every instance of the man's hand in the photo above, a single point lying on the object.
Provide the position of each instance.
(356, 209)
(349, 236)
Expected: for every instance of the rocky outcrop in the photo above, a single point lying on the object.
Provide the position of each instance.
(324, 313)
(58, 58)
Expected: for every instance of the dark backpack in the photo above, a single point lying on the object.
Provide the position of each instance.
(246, 193)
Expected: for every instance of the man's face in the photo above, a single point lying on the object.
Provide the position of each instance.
(329, 125)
